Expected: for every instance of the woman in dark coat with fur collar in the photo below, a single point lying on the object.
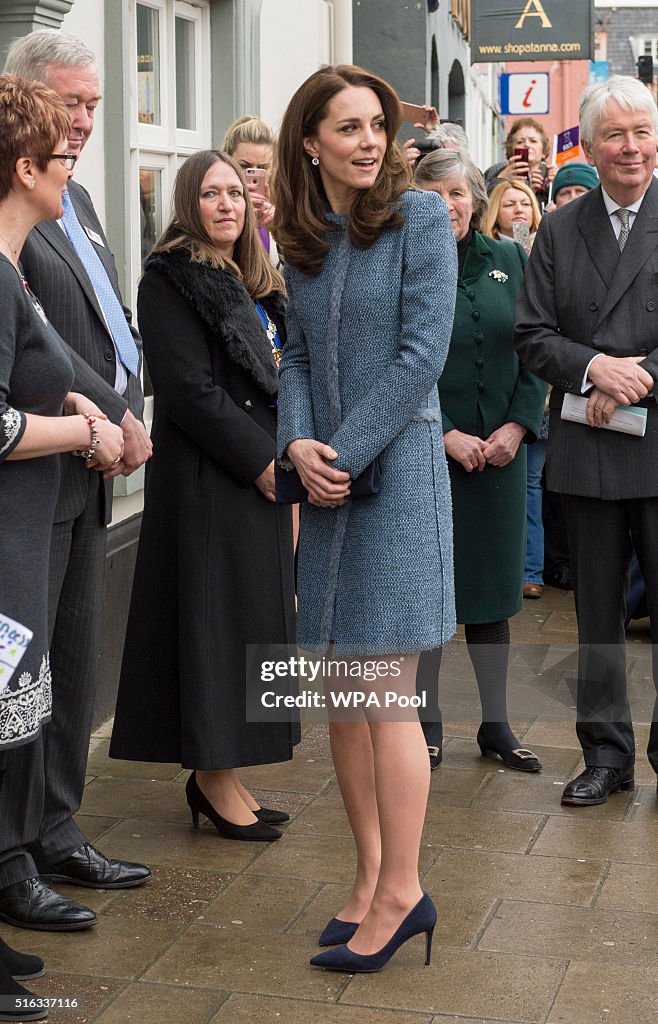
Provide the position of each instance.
(214, 569)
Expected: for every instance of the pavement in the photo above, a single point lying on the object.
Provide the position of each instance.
(547, 914)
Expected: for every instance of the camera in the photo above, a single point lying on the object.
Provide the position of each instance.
(428, 145)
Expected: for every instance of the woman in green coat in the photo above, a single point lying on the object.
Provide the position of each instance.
(490, 405)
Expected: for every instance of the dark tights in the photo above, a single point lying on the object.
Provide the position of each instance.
(488, 649)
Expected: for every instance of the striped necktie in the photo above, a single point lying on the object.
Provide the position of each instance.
(625, 230)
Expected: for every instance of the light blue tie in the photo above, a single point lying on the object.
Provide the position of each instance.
(114, 315)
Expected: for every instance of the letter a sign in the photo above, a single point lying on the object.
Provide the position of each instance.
(534, 9)
(509, 30)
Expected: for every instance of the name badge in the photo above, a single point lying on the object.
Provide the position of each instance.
(95, 237)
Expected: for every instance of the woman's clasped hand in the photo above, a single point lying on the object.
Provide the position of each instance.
(327, 487)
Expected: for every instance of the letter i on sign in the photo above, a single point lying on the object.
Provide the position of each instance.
(526, 99)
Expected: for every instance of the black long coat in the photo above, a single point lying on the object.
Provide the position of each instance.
(214, 568)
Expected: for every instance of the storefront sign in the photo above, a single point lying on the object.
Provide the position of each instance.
(508, 30)
(524, 93)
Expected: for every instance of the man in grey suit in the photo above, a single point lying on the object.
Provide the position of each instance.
(587, 322)
(69, 266)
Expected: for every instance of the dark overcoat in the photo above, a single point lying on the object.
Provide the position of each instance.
(582, 298)
(482, 387)
(214, 568)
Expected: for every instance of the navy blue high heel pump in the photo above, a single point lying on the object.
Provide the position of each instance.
(337, 933)
(421, 919)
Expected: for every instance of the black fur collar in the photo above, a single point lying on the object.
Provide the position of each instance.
(223, 303)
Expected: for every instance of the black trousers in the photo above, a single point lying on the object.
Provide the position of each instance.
(602, 535)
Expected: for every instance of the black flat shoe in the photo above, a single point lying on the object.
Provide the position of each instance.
(594, 785)
(520, 758)
(436, 757)
(93, 870)
(21, 966)
(199, 804)
(10, 990)
(32, 904)
(270, 816)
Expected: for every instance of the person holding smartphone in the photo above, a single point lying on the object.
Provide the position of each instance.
(527, 149)
(513, 214)
(251, 143)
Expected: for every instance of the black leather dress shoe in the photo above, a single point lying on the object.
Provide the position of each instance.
(559, 576)
(31, 904)
(92, 869)
(594, 785)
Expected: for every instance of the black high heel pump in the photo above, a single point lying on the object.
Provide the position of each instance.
(199, 804)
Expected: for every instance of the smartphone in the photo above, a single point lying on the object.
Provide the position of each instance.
(417, 114)
(257, 178)
(522, 152)
(521, 234)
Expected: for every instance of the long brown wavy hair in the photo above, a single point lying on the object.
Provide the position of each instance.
(186, 230)
(300, 224)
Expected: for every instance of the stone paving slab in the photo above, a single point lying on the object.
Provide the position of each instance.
(474, 984)
(602, 937)
(624, 842)
(92, 993)
(618, 995)
(222, 958)
(515, 876)
(254, 902)
(243, 1009)
(141, 1002)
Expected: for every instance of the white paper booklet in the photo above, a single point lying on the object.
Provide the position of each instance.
(628, 419)
(14, 641)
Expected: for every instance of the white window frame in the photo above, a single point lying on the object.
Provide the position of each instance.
(639, 47)
(164, 147)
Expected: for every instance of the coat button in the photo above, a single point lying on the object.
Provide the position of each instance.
(481, 385)
(247, 404)
(479, 338)
(594, 306)
(651, 306)
(475, 314)
(470, 294)
(479, 363)
(109, 356)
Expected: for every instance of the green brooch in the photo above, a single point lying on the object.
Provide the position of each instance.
(498, 275)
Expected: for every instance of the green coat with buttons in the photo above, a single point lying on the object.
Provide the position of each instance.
(482, 387)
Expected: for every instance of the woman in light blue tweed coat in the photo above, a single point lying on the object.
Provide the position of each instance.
(371, 277)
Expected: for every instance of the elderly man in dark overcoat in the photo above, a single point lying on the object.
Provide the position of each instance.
(587, 322)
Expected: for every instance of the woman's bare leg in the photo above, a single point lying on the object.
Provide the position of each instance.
(401, 782)
(220, 788)
(352, 752)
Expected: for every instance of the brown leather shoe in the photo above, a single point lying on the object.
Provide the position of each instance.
(532, 590)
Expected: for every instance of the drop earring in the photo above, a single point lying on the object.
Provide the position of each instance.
(315, 161)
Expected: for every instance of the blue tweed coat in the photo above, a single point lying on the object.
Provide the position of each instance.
(367, 340)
